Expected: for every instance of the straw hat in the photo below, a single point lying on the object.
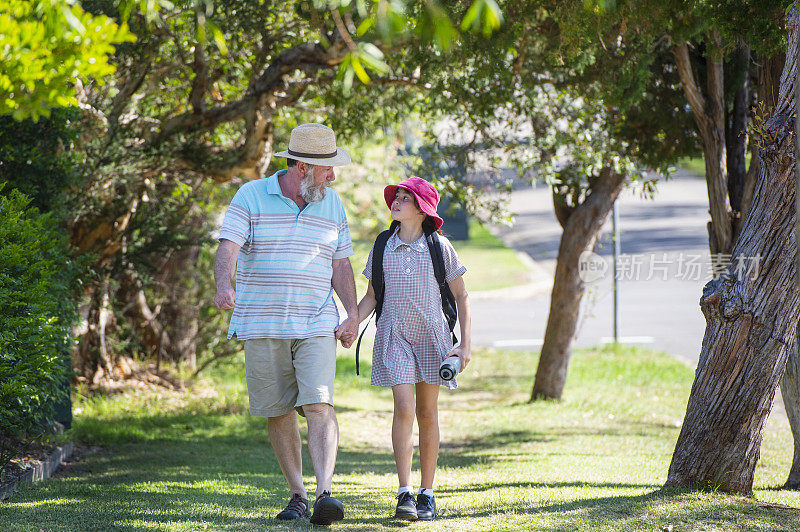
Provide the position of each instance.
(315, 144)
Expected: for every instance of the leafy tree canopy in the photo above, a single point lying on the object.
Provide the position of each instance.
(47, 45)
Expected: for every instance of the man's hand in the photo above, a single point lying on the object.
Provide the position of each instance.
(347, 331)
(463, 353)
(225, 298)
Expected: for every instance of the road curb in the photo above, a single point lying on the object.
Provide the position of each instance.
(41, 470)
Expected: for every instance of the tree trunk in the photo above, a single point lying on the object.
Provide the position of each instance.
(768, 86)
(181, 312)
(736, 131)
(790, 390)
(580, 234)
(709, 115)
(769, 77)
(751, 322)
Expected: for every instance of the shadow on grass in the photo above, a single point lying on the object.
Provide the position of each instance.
(628, 511)
(234, 482)
(470, 488)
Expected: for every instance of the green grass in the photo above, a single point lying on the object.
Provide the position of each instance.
(196, 460)
(697, 165)
(490, 264)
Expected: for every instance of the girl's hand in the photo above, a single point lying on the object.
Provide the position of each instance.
(463, 354)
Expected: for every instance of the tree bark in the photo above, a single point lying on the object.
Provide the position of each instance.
(580, 234)
(751, 322)
(768, 85)
(790, 390)
(709, 115)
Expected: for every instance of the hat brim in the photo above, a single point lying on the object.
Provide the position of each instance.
(390, 191)
(340, 159)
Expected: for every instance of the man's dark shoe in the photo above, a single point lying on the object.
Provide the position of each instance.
(327, 510)
(406, 507)
(426, 507)
(296, 509)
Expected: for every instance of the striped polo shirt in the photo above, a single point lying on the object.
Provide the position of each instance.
(284, 269)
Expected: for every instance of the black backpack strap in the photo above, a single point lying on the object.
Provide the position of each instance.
(448, 299)
(378, 286)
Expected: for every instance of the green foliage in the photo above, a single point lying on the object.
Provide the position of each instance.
(45, 46)
(38, 281)
(36, 157)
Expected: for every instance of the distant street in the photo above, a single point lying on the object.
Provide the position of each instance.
(663, 239)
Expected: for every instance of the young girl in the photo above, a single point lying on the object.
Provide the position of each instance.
(412, 337)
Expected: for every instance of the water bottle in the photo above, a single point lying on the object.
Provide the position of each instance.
(450, 368)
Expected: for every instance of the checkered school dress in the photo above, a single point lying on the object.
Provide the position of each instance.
(412, 337)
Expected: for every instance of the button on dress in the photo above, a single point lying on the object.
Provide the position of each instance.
(412, 338)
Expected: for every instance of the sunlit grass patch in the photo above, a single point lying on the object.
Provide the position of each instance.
(594, 461)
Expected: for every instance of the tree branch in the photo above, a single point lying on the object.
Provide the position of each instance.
(693, 93)
(307, 57)
(200, 81)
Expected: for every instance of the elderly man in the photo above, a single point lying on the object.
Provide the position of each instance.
(290, 236)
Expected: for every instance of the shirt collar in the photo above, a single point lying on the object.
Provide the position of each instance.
(273, 187)
(394, 242)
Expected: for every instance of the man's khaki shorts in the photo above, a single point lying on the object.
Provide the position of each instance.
(287, 374)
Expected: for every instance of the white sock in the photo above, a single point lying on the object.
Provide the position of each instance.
(405, 489)
(426, 491)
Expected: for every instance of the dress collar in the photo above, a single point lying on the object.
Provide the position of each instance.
(394, 242)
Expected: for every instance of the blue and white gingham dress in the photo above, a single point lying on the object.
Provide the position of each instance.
(412, 337)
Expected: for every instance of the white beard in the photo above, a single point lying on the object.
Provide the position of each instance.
(309, 191)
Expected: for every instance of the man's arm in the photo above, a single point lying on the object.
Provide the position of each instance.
(224, 269)
(345, 286)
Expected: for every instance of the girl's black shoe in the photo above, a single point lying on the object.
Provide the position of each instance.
(426, 507)
(406, 507)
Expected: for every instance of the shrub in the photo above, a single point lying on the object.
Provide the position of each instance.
(38, 284)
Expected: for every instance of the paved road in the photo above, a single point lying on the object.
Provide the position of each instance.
(665, 264)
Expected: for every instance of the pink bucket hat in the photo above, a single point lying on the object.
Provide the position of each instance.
(427, 196)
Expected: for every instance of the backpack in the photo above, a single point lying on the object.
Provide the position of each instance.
(435, 248)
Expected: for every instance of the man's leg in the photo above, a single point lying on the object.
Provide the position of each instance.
(315, 367)
(272, 388)
(284, 434)
(323, 441)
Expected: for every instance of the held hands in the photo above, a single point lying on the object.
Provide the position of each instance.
(225, 298)
(462, 353)
(347, 331)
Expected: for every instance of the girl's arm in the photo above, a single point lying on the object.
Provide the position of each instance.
(462, 305)
(367, 304)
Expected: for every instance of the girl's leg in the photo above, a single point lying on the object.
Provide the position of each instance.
(402, 431)
(428, 421)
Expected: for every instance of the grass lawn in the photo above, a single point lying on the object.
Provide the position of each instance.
(490, 264)
(196, 460)
(697, 165)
